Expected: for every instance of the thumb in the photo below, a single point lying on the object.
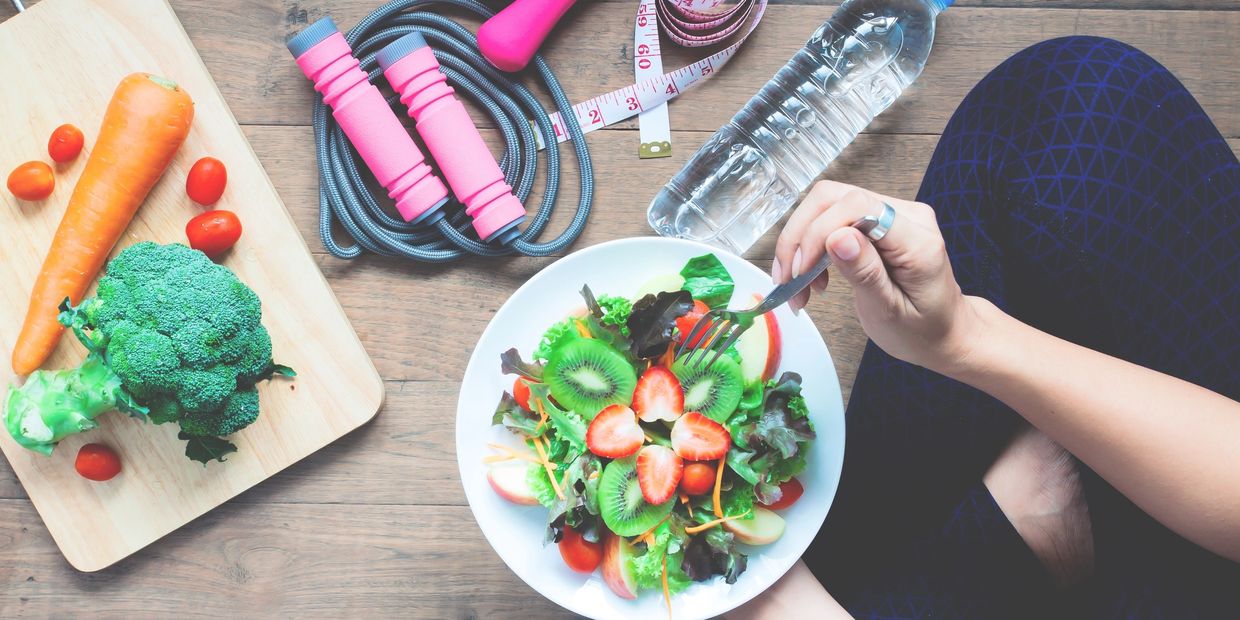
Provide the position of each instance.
(858, 261)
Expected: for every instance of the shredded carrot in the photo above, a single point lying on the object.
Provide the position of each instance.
(509, 454)
(581, 329)
(715, 494)
(709, 524)
(670, 356)
(542, 454)
(684, 499)
(667, 592)
(648, 536)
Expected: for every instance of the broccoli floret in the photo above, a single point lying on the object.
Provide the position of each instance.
(172, 336)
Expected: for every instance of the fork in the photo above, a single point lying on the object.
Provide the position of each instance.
(719, 329)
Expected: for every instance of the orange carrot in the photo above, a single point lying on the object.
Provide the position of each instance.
(146, 121)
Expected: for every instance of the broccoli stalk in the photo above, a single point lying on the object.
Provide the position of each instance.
(172, 337)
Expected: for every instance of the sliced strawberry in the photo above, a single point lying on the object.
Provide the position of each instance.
(699, 438)
(614, 433)
(658, 396)
(686, 322)
(658, 472)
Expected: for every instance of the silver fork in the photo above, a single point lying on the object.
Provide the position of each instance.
(719, 329)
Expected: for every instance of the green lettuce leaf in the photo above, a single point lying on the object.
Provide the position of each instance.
(669, 540)
(516, 419)
(567, 424)
(708, 280)
(510, 363)
(554, 338)
(773, 441)
(540, 485)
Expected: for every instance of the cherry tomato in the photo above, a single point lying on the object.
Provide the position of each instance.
(698, 478)
(791, 491)
(213, 232)
(206, 181)
(578, 553)
(65, 143)
(521, 392)
(97, 462)
(686, 322)
(32, 180)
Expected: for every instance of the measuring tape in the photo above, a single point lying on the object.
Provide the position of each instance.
(687, 23)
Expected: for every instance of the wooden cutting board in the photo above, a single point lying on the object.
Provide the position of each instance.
(62, 60)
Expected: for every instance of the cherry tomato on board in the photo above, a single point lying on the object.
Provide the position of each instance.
(521, 392)
(32, 180)
(790, 492)
(698, 478)
(206, 181)
(578, 553)
(213, 232)
(97, 462)
(65, 143)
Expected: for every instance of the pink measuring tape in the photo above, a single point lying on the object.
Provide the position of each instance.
(512, 37)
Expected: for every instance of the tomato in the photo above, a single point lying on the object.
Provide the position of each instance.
(32, 180)
(686, 322)
(521, 392)
(206, 181)
(97, 462)
(213, 232)
(65, 143)
(578, 553)
(698, 478)
(791, 492)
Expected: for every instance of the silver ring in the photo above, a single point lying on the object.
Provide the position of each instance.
(877, 227)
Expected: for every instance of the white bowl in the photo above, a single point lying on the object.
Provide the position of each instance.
(516, 532)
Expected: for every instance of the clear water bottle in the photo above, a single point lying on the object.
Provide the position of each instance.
(747, 175)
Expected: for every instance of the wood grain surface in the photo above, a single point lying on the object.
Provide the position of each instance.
(338, 388)
(375, 524)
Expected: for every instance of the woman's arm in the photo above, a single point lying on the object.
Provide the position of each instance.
(1171, 447)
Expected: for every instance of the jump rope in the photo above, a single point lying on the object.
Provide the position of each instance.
(427, 58)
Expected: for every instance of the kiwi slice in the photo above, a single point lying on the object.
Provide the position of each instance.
(625, 511)
(714, 390)
(587, 375)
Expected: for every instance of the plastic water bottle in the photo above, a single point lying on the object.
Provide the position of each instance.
(747, 175)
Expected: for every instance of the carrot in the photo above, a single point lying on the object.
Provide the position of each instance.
(714, 496)
(709, 524)
(146, 121)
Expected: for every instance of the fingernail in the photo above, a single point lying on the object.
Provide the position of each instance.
(847, 248)
(796, 263)
(818, 285)
(775, 271)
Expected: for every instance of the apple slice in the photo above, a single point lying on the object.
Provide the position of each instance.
(760, 348)
(659, 284)
(508, 480)
(617, 567)
(763, 529)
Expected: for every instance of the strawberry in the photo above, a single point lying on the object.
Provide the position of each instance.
(614, 433)
(686, 322)
(658, 472)
(658, 396)
(699, 438)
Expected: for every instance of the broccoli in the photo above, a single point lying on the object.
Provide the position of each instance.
(172, 337)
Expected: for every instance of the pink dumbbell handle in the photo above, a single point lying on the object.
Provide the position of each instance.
(452, 138)
(374, 130)
(511, 38)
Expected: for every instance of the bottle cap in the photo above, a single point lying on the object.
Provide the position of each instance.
(398, 49)
(311, 36)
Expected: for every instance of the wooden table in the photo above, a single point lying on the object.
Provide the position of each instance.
(376, 524)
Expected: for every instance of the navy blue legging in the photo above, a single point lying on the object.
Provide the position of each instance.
(1082, 189)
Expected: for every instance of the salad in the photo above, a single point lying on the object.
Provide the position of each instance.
(655, 470)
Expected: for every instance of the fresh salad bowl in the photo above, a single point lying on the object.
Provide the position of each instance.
(620, 481)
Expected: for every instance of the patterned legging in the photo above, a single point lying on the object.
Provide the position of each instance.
(1082, 189)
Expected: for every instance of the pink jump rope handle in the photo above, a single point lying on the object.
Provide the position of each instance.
(372, 127)
(452, 138)
(511, 38)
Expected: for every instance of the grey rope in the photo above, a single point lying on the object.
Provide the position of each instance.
(345, 198)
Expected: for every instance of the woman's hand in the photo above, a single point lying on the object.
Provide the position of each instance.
(907, 298)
